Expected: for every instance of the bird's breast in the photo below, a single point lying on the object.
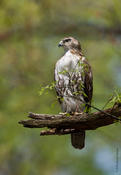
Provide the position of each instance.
(68, 62)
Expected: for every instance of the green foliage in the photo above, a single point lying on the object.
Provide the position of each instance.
(44, 90)
(29, 33)
(116, 97)
(68, 114)
(64, 72)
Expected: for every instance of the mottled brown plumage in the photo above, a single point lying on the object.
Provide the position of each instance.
(74, 86)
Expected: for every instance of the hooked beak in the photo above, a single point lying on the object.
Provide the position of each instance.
(60, 44)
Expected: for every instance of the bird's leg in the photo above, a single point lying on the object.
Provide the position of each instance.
(77, 113)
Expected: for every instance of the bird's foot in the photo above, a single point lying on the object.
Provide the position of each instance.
(63, 113)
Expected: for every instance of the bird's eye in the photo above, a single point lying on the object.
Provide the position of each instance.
(67, 40)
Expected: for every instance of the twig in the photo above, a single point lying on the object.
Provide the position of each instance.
(113, 116)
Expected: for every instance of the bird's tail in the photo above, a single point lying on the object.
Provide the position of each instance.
(78, 140)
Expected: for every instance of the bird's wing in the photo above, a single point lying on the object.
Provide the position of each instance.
(88, 82)
(59, 84)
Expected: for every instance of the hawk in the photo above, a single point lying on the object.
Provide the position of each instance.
(73, 83)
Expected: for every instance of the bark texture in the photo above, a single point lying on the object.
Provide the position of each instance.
(61, 124)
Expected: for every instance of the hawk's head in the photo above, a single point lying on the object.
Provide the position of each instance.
(70, 43)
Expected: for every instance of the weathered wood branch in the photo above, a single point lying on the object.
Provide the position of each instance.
(62, 124)
(58, 131)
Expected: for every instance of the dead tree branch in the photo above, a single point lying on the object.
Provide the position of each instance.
(63, 124)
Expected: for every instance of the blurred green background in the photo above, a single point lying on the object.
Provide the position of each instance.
(29, 34)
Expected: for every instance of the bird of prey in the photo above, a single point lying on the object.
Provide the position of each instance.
(73, 83)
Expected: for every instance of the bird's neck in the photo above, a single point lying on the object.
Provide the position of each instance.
(74, 51)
